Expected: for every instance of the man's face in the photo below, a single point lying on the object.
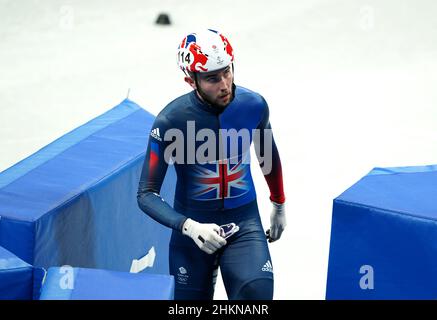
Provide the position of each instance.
(217, 86)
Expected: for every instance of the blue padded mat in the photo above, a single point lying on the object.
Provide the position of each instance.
(385, 226)
(94, 284)
(18, 279)
(74, 201)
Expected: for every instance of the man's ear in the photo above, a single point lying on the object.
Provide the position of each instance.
(191, 82)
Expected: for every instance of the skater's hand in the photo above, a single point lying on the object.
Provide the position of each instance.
(205, 235)
(278, 222)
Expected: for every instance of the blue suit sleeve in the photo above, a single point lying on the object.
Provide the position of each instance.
(273, 174)
(152, 175)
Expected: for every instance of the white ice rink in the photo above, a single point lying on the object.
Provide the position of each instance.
(351, 86)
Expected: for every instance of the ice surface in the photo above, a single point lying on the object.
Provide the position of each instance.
(350, 84)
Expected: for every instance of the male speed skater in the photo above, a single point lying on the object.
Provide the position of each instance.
(206, 134)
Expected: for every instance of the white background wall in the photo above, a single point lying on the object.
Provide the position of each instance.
(350, 84)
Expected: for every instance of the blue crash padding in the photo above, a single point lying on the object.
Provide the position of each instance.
(67, 283)
(18, 279)
(74, 201)
(384, 236)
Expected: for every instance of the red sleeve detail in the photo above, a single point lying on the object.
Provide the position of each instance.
(276, 186)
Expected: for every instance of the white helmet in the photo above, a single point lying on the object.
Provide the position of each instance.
(204, 51)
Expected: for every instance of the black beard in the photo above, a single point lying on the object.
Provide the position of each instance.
(209, 102)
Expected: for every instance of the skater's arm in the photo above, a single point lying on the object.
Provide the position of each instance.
(152, 175)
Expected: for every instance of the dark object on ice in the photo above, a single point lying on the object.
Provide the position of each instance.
(163, 19)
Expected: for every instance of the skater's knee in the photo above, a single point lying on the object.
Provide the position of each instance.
(258, 289)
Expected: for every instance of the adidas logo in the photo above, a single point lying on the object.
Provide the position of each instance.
(267, 267)
(155, 133)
